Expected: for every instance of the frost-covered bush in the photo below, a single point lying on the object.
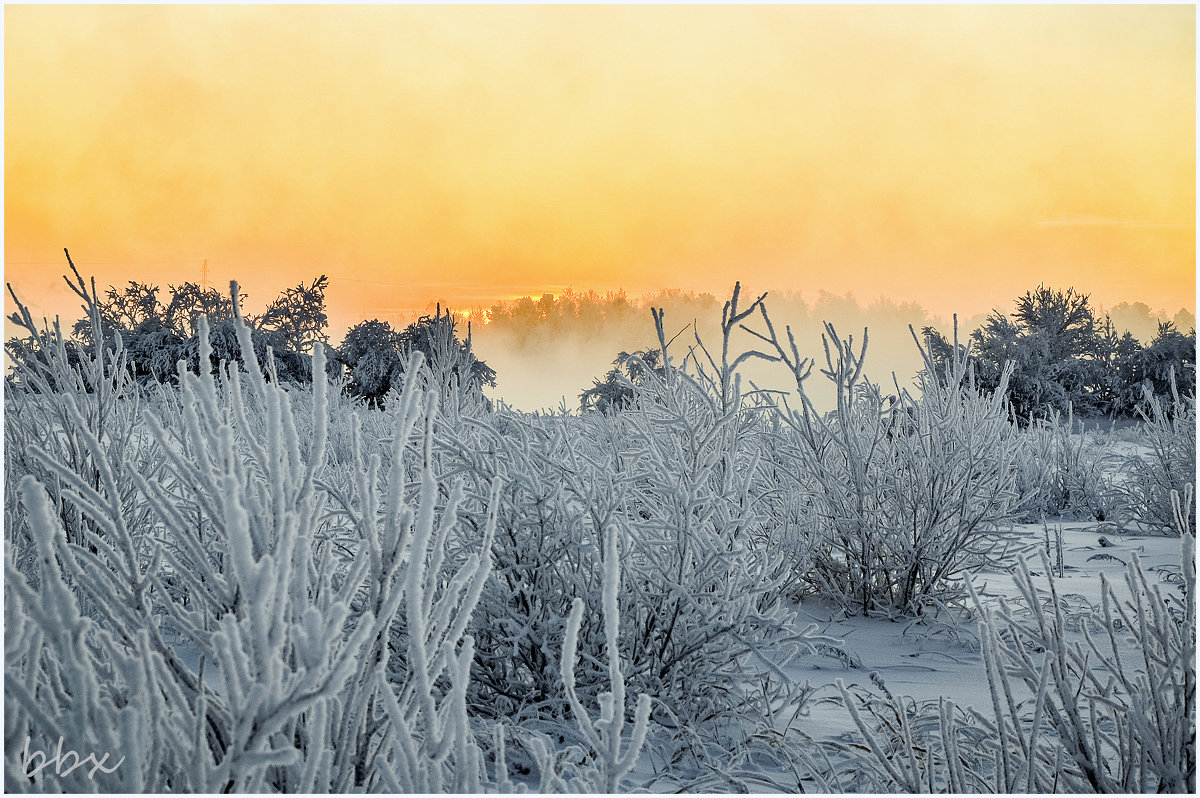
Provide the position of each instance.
(907, 495)
(1065, 471)
(220, 621)
(1113, 712)
(705, 582)
(1169, 433)
(704, 588)
(549, 513)
(947, 480)
(611, 760)
(679, 476)
(75, 406)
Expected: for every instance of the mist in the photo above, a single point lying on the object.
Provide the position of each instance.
(546, 351)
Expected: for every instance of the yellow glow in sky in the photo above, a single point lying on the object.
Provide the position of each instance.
(956, 156)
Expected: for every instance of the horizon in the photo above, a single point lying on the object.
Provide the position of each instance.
(65, 305)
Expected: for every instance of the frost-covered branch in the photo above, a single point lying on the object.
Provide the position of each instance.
(604, 733)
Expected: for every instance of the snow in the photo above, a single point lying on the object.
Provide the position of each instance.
(925, 660)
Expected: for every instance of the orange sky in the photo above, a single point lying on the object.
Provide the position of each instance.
(956, 156)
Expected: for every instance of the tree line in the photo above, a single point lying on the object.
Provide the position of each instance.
(158, 330)
(1064, 354)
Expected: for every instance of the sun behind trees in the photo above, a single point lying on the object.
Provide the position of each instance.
(375, 356)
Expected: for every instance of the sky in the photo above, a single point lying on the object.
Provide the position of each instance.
(955, 156)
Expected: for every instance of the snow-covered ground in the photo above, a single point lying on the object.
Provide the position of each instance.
(926, 659)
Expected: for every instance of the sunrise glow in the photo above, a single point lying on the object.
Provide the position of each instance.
(952, 156)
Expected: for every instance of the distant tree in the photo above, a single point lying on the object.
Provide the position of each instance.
(618, 389)
(371, 354)
(298, 316)
(1054, 343)
(376, 355)
(157, 335)
(1170, 352)
(529, 322)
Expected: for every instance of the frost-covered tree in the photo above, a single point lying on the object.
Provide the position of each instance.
(375, 355)
(451, 360)
(156, 335)
(1170, 357)
(297, 316)
(1052, 339)
(1064, 357)
(371, 354)
(617, 390)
